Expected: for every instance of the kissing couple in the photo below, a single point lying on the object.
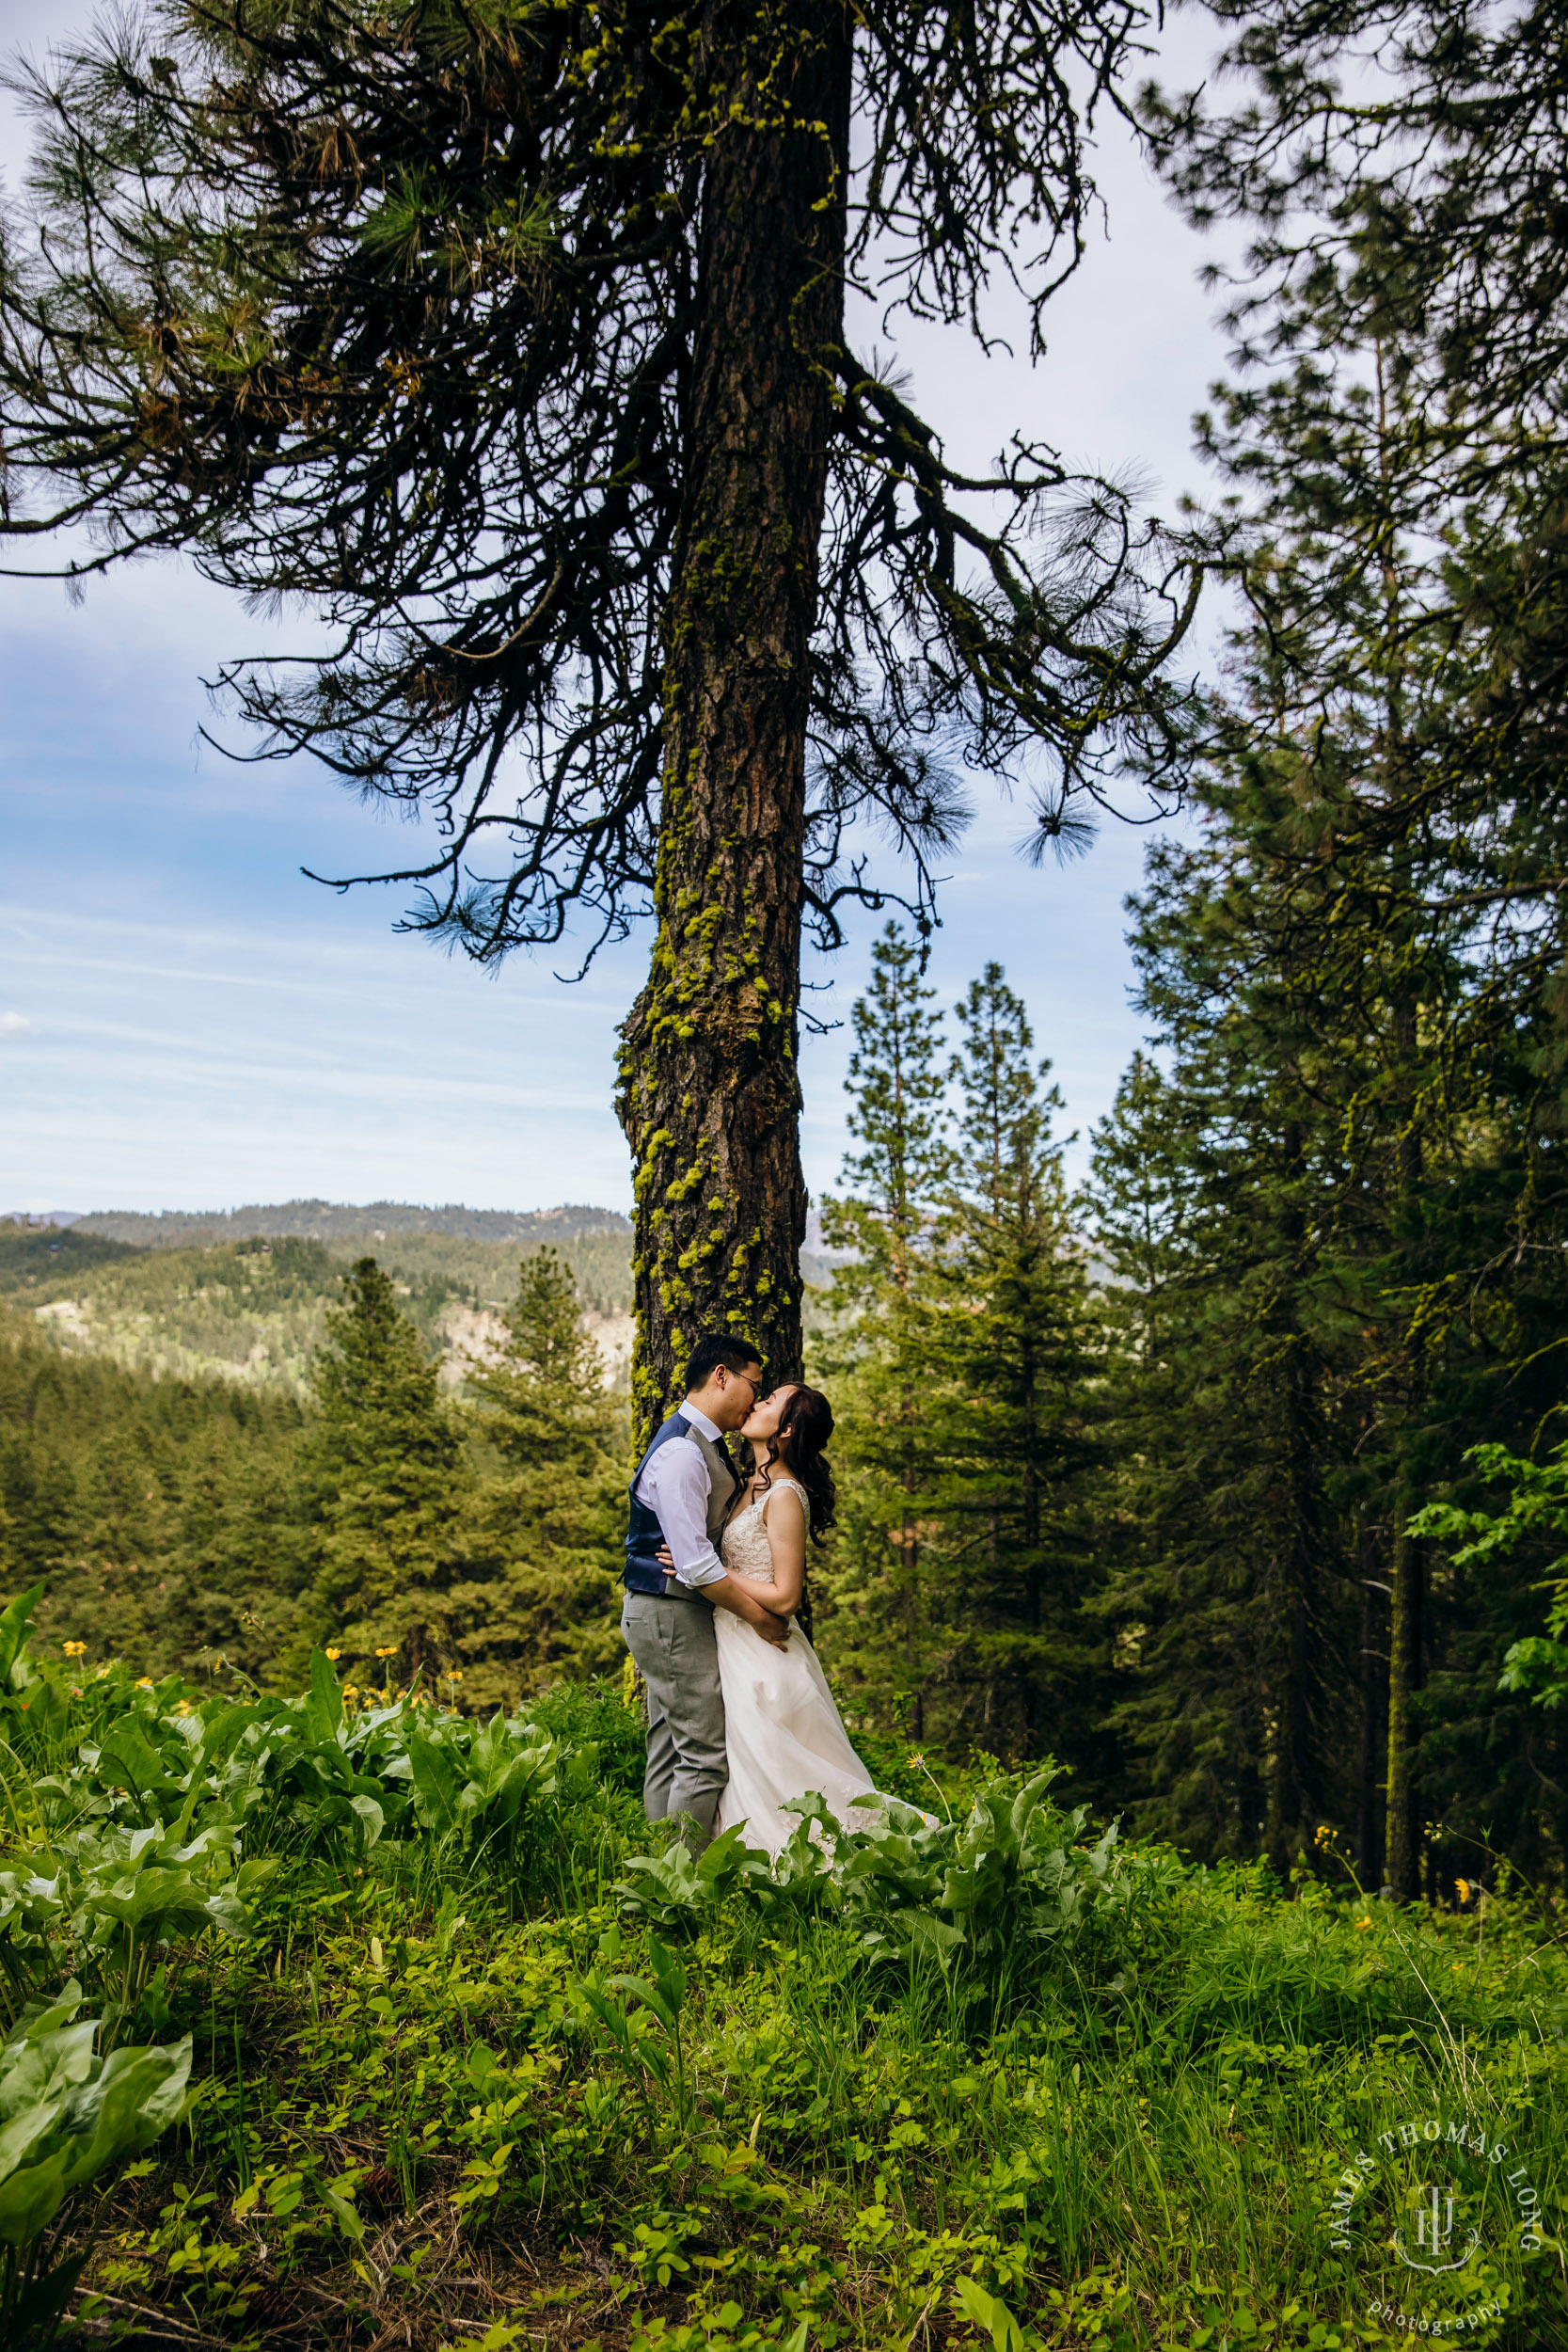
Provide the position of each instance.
(740, 1717)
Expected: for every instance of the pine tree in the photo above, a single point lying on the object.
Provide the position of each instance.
(959, 1361)
(387, 1459)
(1223, 1592)
(897, 1088)
(881, 1626)
(541, 1600)
(1013, 1345)
(1359, 1110)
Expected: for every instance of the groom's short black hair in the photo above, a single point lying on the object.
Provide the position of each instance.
(720, 1347)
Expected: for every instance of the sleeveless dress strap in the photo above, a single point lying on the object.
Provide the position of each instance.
(795, 1487)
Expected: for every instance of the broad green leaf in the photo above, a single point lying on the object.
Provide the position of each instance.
(638, 1989)
(438, 1783)
(126, 1758)
(324, 1708)
(30, 2198)
(15, 1626)
(670, 1975)
(989, 2312)
(136, 2098)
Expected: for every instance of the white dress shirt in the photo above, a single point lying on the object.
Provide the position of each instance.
(675, 1486)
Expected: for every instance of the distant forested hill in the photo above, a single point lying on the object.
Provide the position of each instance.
(344, 1222)
(255, 1311)
(245, 1293)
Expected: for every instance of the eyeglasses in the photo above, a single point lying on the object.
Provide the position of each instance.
(755, 1386)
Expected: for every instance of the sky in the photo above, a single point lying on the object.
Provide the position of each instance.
(187, 1022)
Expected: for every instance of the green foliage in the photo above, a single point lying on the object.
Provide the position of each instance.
(165, 1517)
(985, 1895)
(961, 1355)
(67, 2115)
(897, 1083)
(122, 1894)
(221, 1529)
(545, 1531)
(1352, 1224)
(386, 1457)
(255, 1311)
(1006, 2067)
(1534, 1515)
(671, 1890)
(1332, 1203)
(475, 1786)
(879, 1626)
(1015, 1347)
(46, 1257)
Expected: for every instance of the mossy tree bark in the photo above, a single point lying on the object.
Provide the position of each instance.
(710, 1087)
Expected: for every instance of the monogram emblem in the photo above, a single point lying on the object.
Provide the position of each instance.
(1435, 2211)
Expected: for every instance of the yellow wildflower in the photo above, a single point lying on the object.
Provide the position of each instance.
(144, 1682)
(1466, 1890)
(390, 1651)
(1363, 1923)
(75, 1649)
(334, 1655)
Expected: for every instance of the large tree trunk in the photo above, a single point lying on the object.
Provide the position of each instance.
(710, 1095)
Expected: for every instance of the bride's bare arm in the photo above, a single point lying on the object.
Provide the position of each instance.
(744, 1596)
(786, 1521)
(756, 1602)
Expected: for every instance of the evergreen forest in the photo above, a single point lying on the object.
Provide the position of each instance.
(1218, 1480)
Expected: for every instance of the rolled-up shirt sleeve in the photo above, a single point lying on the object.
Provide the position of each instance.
(676, 1489)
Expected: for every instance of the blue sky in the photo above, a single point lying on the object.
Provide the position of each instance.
(185, 1022)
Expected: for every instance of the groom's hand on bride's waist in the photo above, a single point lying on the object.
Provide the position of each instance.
(762, 1620)
(727, 1594)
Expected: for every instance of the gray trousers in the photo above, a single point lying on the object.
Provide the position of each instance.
(677, 1656)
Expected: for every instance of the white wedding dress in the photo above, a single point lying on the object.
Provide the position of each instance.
(784, 1734)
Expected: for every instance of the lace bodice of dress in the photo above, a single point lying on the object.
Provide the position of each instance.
(744, 1545)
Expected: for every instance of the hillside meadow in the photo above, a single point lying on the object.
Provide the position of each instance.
(437, 2048)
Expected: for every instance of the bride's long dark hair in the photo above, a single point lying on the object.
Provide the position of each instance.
(805, 1427)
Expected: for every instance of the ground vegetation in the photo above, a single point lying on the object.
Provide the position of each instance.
(420, 2042)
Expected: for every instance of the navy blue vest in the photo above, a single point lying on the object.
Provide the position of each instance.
(644, 1535)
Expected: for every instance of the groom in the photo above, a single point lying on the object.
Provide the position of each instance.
(680, 1493)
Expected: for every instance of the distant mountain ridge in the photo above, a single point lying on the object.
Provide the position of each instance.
(329, 1220)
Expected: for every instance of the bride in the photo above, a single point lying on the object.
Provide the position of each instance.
(784, 1735)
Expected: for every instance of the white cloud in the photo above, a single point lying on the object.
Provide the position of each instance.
(16, 1024)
